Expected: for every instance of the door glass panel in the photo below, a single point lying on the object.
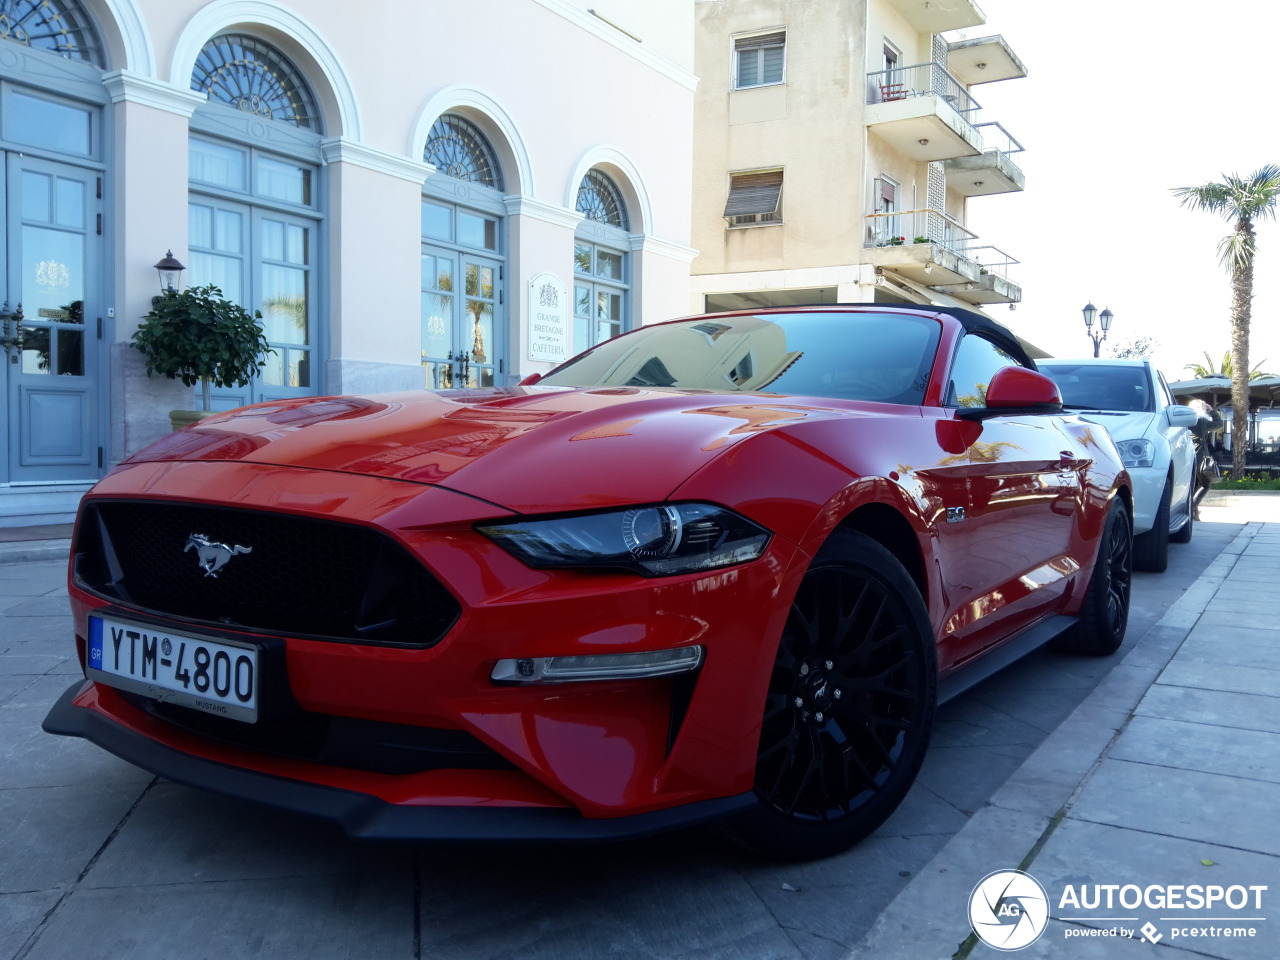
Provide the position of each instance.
(608, 265)
(284, 304)
(437, 321)
(52, 295)
(199, 225)
(69, 203)
(70, 352)
(477, 231)
(215, 164)
(437, 221)
(272, 240)
(273, 369)
(581, 318)
(215, 239)
(48, 123)
(582, 258)
(299, 368)
(37, 197)
(228, 234)
(481, 315)
(283, 181)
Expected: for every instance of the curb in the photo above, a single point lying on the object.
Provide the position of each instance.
(35, 551)
(927, 920)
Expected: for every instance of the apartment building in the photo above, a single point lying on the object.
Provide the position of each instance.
(837, 147)
(415, 195)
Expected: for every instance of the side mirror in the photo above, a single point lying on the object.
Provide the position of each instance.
(1180, 416)
(530, 380)
(1016, 390)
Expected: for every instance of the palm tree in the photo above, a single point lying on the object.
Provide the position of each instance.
(1207, 369)
(1240, 201)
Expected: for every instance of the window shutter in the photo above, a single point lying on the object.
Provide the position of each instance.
(754, 193)
(763, 40)
(888, 190)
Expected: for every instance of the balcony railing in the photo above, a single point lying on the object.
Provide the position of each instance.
(994, 261)
(922, 80)
(918, 226)
(996, 137)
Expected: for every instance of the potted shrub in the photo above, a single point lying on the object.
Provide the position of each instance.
(199, 336)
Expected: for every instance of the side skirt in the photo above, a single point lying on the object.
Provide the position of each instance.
(997, 659)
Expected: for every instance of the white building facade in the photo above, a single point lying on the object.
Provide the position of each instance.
(415, 195)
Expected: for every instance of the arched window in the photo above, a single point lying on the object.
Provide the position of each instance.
(457, 148)
(601, 263)
(599, 199)
(255, 211)
(463, 259)
(59, 26)
(253, 76)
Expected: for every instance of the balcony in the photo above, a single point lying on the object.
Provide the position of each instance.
(993, 285)
(924, 112)
(990, 172)
(939, 16)
(934, 250)
(983, 60)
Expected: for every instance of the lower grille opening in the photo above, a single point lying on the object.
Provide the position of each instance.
(354, 744)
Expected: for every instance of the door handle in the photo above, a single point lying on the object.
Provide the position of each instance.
(12, 339)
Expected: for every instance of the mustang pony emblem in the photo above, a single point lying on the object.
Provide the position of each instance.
(212, 556)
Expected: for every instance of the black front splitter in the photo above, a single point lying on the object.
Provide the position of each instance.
(367, 817)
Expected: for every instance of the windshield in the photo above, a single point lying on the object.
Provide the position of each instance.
(850, 356)
(1087, 386)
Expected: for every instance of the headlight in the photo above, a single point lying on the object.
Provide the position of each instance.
(1137, 453)
(657, 540)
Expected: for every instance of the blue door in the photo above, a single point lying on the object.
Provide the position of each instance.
(52, 251)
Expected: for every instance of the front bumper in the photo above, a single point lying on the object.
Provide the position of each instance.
(1148, 488)
(362, 815)
(679, 748)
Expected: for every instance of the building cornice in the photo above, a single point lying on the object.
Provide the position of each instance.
(126, 86)
(664, 248)
(538, 210)
(342, 150)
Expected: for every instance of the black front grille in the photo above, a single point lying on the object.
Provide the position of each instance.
(299, 576)
(390, 748)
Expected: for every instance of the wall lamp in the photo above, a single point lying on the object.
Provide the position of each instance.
(170, 270)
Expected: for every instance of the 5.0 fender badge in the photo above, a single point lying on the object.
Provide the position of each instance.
(955, 515)
(211, 556)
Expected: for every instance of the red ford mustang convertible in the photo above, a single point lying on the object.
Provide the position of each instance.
(719, 568)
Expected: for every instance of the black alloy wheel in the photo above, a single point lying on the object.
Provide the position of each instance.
(849, 707)
(1105, 613)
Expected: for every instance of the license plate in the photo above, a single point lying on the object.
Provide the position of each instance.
(216, 676)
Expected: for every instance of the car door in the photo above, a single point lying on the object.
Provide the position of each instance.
(1025, 491)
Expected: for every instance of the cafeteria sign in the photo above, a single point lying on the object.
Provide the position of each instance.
(548, 320)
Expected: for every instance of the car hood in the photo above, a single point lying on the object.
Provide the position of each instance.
(528, 449)
(1121, 426)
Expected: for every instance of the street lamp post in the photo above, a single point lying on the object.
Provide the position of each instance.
(1104, 322)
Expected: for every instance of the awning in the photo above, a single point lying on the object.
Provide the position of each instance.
(754, 193)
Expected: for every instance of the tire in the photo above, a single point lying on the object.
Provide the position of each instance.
(1105, 614)
(1151, 549)
(1184, 532)
(849, 708)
